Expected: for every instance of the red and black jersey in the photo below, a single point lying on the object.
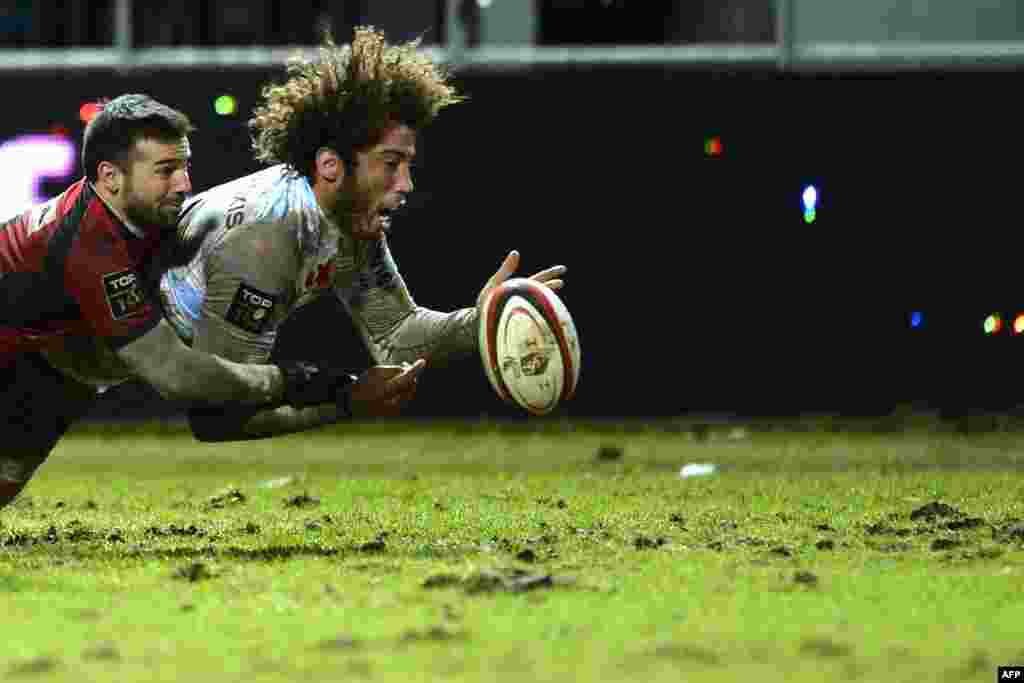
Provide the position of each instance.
(70, 267)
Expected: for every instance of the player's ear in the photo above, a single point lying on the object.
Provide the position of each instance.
(109, 176)
(329, 165)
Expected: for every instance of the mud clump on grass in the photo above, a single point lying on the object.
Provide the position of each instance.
(106, 651)
(338, 643)
(527, 556)
(963, 524)
(442, 581)
(300, 501)
(503, 581)
(435, 633)
(77, 532)
(29, 667)
(197, 571)
(645, 543)
(377, 545)
(885, 529)
(893, 547)
(684, 651)
(18, 538)
(929, 512)
(229, 496)
(806, 578)
(822, 647)
(175, 530)
(609, 453)
(1009, 534)
(825, 545)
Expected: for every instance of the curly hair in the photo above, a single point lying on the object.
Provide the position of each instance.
(345, 99)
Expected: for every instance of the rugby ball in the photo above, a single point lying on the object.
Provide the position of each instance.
(528, 345)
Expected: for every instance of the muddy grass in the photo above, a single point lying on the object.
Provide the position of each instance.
(604, 565)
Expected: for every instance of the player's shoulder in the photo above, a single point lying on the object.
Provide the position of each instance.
(79, 220)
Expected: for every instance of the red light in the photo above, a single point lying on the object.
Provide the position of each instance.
(88, 110)
(60, 129)
(713, 147)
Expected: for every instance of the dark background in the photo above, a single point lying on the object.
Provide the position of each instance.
(695, 284)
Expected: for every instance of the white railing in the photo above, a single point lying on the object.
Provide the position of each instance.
(787, 53)
(813, 56)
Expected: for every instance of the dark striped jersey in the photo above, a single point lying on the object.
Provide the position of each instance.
(70, 268)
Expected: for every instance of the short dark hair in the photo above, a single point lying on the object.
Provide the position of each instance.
(121, 122)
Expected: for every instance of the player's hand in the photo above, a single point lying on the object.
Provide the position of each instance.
(384, 390)
(550, 277)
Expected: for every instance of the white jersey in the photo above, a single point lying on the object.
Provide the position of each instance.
(256, 248)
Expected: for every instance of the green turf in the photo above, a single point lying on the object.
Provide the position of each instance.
(513, 552)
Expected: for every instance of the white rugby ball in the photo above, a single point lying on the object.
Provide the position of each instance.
(528, 345)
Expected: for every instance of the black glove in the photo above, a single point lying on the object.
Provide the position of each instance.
(310, 384)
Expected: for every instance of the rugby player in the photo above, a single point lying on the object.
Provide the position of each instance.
(339, 135)
(77, 313)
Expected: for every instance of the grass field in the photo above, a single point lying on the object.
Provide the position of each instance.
(527, 552)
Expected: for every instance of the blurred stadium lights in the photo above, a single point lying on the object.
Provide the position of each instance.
(993, 324)
(27, 161)
(225, 105)
(1018, 324)
(713, 146)
(917, 320)
(810, 202)
(87, 111)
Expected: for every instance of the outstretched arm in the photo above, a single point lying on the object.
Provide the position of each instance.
(396, 330)
(180, 373)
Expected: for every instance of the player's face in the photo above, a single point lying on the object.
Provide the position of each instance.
(382, 179)
(158, 182)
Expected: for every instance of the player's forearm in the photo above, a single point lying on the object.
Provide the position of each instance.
(211, 379)
(440, 337)
(183, 374)
(211, 424)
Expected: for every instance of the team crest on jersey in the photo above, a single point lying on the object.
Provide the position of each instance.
(124, 294)
(251, 308)
(319, 277)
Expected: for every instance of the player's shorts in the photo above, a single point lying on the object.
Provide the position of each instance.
(37, 405)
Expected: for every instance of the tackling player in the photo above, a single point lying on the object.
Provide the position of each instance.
(77, 314)
(341, 132)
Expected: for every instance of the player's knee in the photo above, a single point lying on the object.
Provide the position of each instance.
(15, 472)
(9, 490)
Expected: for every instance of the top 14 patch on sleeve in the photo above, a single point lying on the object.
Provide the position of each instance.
(251, 308)
(123, 290)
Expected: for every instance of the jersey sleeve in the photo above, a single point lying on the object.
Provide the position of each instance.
(393, 327)
(249, 286)
(104, 281)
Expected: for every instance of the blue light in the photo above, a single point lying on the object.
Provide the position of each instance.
(916, 319)
(810, 198)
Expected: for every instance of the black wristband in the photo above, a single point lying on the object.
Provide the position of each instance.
(308, 384)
